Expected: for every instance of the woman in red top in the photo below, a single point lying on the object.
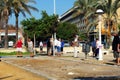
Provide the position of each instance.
(19, 47)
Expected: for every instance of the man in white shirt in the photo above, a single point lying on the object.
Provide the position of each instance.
(97, 47)
(59, 47)
(75, 46)
(41, 46)
(55, 45)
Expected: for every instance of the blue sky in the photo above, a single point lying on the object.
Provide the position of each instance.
(48, 5)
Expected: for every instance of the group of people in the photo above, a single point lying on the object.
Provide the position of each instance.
(55, 46)
(58, 47)
(18, 46)
(115, 47)
(95, 48)
(30, 47)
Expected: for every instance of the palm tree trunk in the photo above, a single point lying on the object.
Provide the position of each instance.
(16, 26)
(6, 34)
(109, 34)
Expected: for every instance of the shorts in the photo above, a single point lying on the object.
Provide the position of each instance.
(19, 49)
(58, 49)
(97, 51)
(41, 48)
(116, 54)
(30, 49)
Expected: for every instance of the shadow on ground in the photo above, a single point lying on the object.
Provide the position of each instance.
(112, 62)
(98, 78)
(5, 77)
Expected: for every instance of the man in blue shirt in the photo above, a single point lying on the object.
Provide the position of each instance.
(93, 44)
(62, 45)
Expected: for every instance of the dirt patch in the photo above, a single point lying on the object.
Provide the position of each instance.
(57, 68)
(9, 72)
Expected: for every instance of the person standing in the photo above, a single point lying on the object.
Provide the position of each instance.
(97, 48)
(118, 50)
(62, 46)
(49, 46)
(75, 44)
(30, 47)
(58, 47)
(41, 46)
(0, 59)
(115, 43)
(93, 44)
(55, 45)
(18, 46)
(86, 48)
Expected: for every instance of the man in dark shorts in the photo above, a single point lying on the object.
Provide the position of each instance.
(115, 43)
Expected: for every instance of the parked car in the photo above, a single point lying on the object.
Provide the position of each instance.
(1, 44)
(66, 43)
(81, 43)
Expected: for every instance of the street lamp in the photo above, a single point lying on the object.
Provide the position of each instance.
(54, 34)
(54, 7)
(100, 12)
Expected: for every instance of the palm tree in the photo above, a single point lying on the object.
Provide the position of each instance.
(16, 6)
(110, 8)
(5, 12)
(21, 6)
(87, 8)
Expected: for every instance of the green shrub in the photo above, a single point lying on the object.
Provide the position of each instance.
(12, 53)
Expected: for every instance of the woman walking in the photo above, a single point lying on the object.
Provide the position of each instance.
(30, 47)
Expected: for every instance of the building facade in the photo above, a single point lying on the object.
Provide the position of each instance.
(81, 23)
(11, 36)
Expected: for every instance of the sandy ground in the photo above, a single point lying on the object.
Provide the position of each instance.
(57, 68)
(9, 72)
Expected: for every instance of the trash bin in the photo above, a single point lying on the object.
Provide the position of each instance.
(86, 48)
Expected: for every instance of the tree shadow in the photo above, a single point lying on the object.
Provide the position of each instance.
(112, 62)
(1, 78)
(42, 54)
(5, 77)
(97, 78)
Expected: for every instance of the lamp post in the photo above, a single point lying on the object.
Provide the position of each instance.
(54, 7)
(54, 34)
(34, 45)
(100, 12)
